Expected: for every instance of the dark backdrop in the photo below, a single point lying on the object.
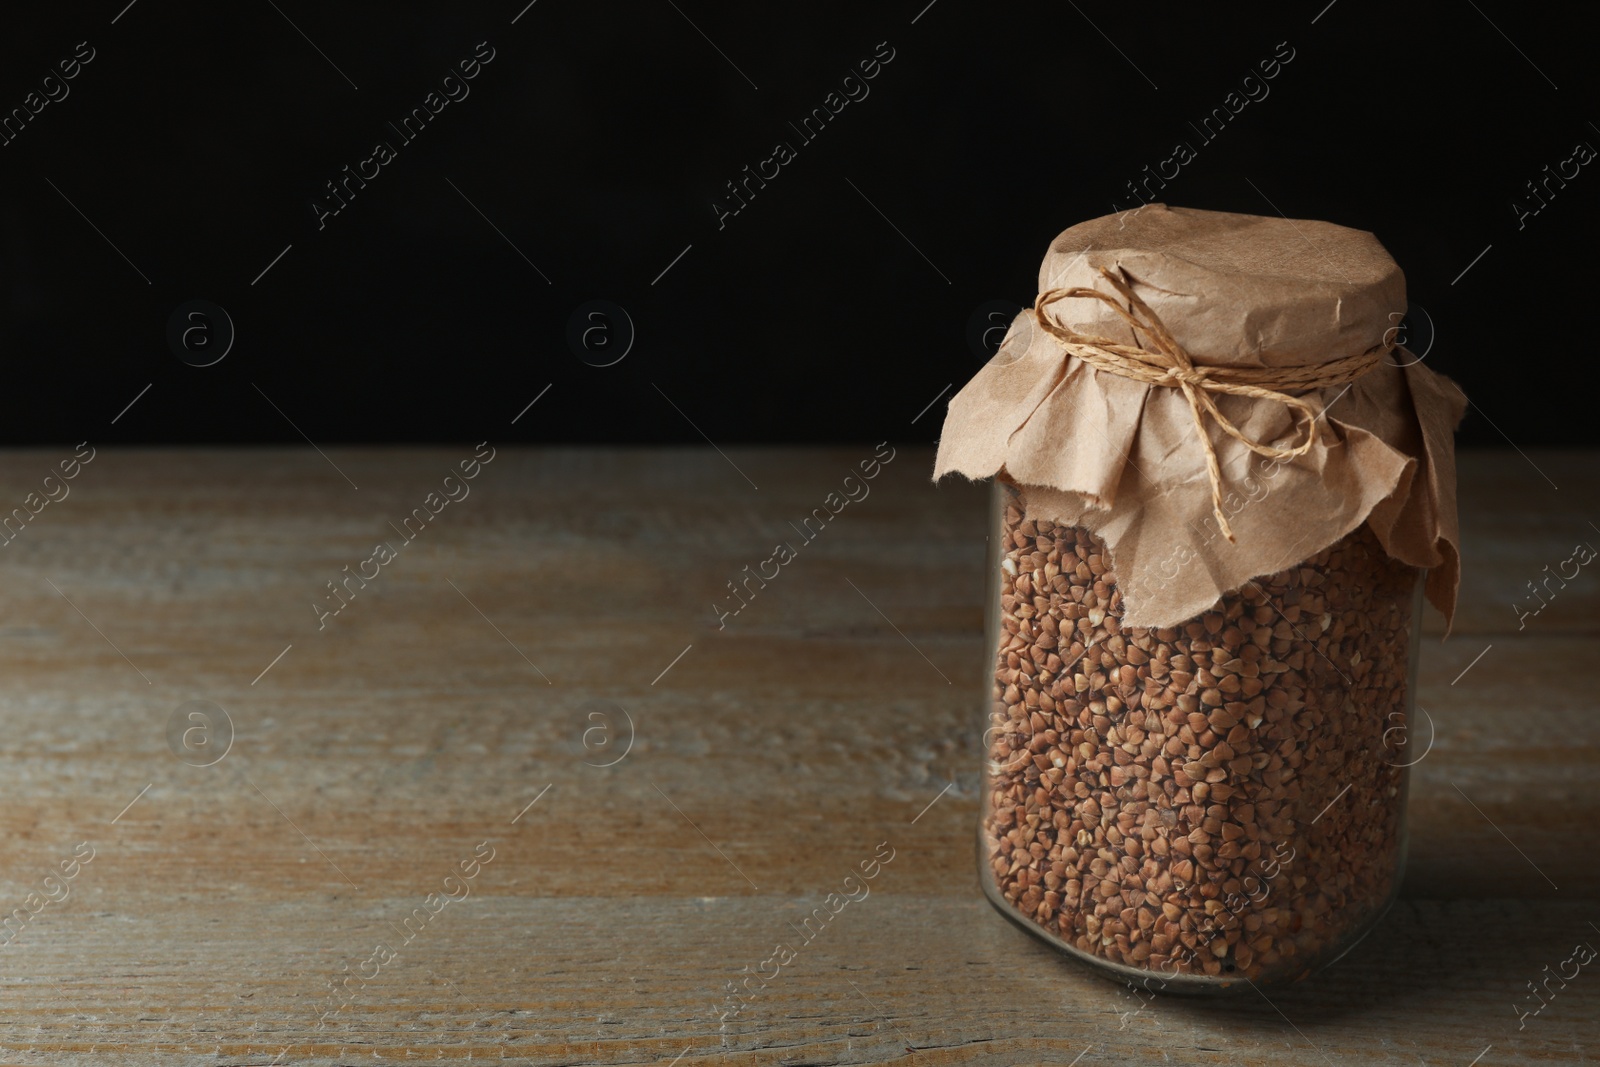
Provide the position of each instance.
(185, 156)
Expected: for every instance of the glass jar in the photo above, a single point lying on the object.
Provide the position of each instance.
(1194, 806)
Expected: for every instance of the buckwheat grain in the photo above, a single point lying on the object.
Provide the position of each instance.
(1175, 799)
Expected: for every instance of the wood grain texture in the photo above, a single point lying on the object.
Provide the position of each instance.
(766, 763)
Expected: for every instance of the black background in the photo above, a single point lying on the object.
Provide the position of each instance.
(597, 139)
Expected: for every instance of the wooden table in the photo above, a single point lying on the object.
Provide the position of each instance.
(476, 689)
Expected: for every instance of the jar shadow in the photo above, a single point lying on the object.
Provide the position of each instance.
(1416, 958)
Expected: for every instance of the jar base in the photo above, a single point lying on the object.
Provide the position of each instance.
(1195, 985)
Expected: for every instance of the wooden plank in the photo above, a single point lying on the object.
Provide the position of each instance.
(835, 712)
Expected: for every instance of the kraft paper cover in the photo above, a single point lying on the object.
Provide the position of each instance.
(1121, 457)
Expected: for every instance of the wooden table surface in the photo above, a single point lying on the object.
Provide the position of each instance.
(497, 662)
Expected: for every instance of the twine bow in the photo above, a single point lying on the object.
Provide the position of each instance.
(1169, 365)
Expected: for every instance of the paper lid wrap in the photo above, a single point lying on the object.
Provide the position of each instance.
(1123, 459)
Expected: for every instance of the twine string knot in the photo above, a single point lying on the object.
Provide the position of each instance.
(1165, 363)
